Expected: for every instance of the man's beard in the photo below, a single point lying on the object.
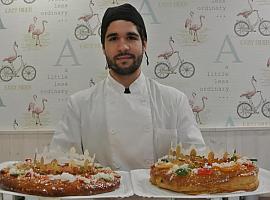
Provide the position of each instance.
(124, 70)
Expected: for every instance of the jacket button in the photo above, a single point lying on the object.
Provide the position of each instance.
(143, 101)
(147, 130)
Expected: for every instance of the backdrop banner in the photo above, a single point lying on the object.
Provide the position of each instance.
(215, 51)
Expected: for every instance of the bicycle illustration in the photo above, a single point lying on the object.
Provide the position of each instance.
(245, 26)
(164, 68)
(89, 25)
(247, 108)
(8, 71)
(8, 2)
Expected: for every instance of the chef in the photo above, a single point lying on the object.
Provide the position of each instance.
(127, 120)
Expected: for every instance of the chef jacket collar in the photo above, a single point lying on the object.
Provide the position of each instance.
(137, 87)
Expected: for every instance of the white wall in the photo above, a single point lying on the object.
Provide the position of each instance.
(224, 62)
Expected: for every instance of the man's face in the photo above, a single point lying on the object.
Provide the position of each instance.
(123, 47)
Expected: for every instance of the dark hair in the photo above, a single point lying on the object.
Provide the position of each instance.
(141, 32)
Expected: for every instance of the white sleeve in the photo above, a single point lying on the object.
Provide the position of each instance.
(188, 131)
(67, 133)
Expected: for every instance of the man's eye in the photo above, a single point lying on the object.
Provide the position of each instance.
(112, 38)
(132, 38)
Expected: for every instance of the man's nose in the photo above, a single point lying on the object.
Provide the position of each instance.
(123, 45)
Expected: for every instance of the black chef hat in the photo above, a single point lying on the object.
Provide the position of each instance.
(123, 12)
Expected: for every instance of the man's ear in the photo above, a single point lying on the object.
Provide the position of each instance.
(144, 45)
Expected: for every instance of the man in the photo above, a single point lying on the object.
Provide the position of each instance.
(127, 120)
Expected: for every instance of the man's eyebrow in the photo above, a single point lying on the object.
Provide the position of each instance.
(133, 34)
(111, 35)
(129, 34)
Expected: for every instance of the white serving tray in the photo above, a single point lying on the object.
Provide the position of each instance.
(125, 189)
(142, 187)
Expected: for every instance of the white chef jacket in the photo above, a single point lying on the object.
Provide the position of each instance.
(129, 121)
(127, 131)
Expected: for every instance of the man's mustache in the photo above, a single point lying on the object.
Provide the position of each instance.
(124, 54)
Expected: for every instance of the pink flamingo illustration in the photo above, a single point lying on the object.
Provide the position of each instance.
(169, 53)
(87, 17)
(268, 62)
(31, 27)
(188, 22)
(10, 59)
(37, 32)
(251, 93)
(246, 13)
(32, 104)
(195, 27)
(192, 100)
(198, 109)
(37, 110)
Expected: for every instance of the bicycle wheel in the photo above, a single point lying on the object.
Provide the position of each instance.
(266, 109)
(162, 70)
(187, 69)
(29, 73)
(81, 32)
(241, 28)
(7, 2)
(244, 110)
(29, 1)
(6, 74)
(264, 28)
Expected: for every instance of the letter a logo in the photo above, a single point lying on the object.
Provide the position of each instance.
(71, 54)
(231, 50)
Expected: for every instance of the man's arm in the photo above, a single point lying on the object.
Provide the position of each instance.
(187, 128)
(67, 133)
